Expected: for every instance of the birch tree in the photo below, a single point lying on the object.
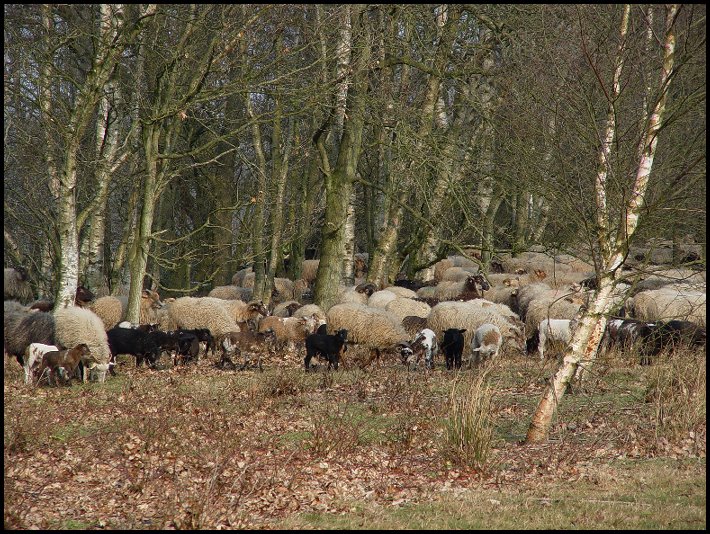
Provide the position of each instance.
(585, 341)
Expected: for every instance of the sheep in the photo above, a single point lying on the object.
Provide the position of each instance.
(301, 290)
(283, 286)
(457, 274)
(402, 291)
(452, 347)
(109, 309)
(404, 307)
(67, 359)
(33, 358)
(289, 330)
(204, 312)
(472, 314)
(358, 294)
(372, 327)
(150, 305)
(286, 309)
(231, 293)
(423, 345)
(486, 343)
(554, 330)
(80, 325)
(330, 347)
(188, 348)
(311, 309)
(23, 327)
(671, 303)
(238, 278)
(380, 299)
(310, 270)
(528, 293)
(465, 290)
(243, 312)
(17, 287)
(245, 342)
(552, 306)
(413, 324)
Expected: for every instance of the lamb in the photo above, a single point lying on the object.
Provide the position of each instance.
(246, 342)
(205, 312)
(550, 307)
(554, 330)
(486, 343)
(452, 347)
(16, 286)
(424, 345)
(80, 325)
(310, 270)
(66, 359)
(330, 347)
(33, 358)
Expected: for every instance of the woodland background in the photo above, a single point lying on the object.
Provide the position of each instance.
(185, 141)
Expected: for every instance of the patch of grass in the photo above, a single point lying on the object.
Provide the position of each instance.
(641, 495)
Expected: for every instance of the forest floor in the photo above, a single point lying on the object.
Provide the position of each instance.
(201, 448)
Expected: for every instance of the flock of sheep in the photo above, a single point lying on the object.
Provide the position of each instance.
(524, 303)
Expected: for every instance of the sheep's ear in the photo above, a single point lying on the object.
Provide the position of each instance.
(462, 330)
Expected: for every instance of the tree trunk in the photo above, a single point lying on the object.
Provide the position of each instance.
(339, 182)
(585, 341)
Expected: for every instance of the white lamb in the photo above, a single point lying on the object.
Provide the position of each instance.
(559, 330)
(486, 343)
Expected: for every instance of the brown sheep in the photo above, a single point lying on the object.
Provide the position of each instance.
(68, 360)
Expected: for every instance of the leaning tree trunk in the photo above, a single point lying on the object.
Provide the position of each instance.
(585, 341)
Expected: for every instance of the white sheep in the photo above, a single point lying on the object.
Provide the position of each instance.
(231, 293)
(404, 307)
(111, 310)
(380, 299)
(74, 326)
(486, 343)
(371, 327)
(671, 302)
(402, 292)
(423, 345)
(289, 330)
(554, 330)
(205, 312)
(16, 286)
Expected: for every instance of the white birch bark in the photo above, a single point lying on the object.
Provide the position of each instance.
(585, 341)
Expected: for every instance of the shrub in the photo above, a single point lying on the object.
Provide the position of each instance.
(468, 431)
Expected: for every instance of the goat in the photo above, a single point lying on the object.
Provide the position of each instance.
(68, 360)
(330, 347)
(452, 347)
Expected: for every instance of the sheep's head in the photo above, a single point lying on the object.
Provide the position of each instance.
(366, 288)
(21, 273)
(405, 351)
(151, 299)
(257, 308)
(83, 296)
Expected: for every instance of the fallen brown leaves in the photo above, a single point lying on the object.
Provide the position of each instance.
(197, 447)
